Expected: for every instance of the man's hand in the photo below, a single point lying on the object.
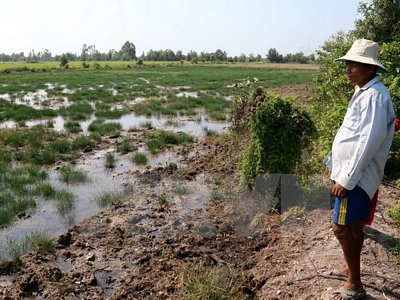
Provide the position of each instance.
(338, 191)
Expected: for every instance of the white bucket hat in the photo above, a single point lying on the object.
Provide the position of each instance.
(366, 52)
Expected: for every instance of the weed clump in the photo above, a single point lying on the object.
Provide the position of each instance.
(139, 158)
(162, 138)
(71, 176)
(206, 282)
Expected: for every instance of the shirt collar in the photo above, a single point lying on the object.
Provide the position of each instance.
(370, 83)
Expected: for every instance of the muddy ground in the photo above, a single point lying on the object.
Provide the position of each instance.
(180, 219)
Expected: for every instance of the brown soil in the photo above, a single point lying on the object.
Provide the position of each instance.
(144, 246)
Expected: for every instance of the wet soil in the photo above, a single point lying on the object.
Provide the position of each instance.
(141, 246)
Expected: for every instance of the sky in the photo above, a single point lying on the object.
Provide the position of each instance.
(235, 26)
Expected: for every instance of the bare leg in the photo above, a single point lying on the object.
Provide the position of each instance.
(351, 238)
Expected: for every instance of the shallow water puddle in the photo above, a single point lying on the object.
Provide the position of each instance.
(191, 125)
(101, 180)
(187, 95)
(39, 100)
(194, 126)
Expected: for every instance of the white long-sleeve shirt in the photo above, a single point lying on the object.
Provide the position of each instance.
(362, 144)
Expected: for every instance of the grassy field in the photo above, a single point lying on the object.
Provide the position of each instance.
(128, 64)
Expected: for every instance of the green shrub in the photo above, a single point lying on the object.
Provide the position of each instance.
(277, 132)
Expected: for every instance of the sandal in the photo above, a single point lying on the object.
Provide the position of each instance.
(347, 294)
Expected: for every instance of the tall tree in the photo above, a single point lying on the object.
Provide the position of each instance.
(274, 56)
(381, 21)
(128, 51)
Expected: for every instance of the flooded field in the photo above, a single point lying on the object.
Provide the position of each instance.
(82, 120)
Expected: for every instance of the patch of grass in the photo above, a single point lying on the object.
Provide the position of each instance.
(394, 247)
(45, 157)
(73, 126)
(218, 116)
(216, 195)
(62, 146)
(46, 190)
(77, 111)
(109, 198)
(82, 142)
(394, 213)
(110, 160)
(205, 282)
(148, 108)
(64, 202)
(41, 240)
(20, 112)
(181, 188)
(18, 187)
(147, 125)
(110, 114)
(139, 158)
(162, 198)
(125, 146)
(71, 176)
(163, 138)
(110, 129)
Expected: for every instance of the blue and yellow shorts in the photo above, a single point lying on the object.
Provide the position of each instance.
(354, 207)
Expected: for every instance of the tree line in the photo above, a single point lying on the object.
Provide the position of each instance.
(128, 52)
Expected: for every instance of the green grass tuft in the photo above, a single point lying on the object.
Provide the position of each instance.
(139, 158)
(110, 160)
(64, 202)
(163, 138)
(394, 213)
(71, 176)
(109, 198)
(40, 240)
(110, 129)
(125, 147)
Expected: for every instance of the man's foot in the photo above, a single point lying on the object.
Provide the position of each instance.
(347, 294)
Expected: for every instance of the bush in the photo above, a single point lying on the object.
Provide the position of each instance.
(277, 132)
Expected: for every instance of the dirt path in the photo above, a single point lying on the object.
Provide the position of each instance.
(145, 246)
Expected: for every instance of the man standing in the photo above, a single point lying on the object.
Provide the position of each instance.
(358, 157)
